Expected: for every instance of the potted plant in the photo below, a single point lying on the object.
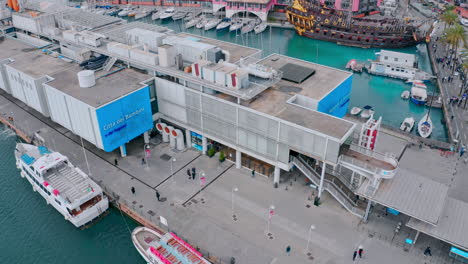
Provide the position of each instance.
(211, 152)
(222, 158)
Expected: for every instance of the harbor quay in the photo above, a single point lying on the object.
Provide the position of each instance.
(250, 155)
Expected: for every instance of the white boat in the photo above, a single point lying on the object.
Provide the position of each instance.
(413, 81)
(212, 23)
(398, 65)
(407, 124)
(192, 22)
(237, 25)
(419, 93)
(142, 14)
(248, 28)
(425, 126)
(179, 15)
(355, 110)
(132, 13)
(260, 28)
(201, 23)
(101, 12)
(405, 95)
(155, 15)
(124, 12)
(367, 112)
(64, 186)
(157, 248)
(225, 24)
(167, 14)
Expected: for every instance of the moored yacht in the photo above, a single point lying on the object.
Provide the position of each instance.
(68, 189)
(167, 14)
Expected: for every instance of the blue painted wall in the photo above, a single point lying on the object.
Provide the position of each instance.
(125, 119)
(336, 103)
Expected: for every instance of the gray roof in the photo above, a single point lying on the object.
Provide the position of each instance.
(10, 48)
(37, 65)
(452, 226)
(411, 194)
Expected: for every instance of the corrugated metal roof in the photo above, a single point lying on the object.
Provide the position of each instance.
(452, 226)
(411, 194)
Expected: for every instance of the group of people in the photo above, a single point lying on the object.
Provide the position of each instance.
(458, 100)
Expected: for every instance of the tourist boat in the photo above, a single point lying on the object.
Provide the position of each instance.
(64, 186)
(155, 15)
(405, 95)
(157, 248)
(419, 93)
(224, 25)
(179, 16)
(260, 28)
(192, 22)
(314, 20)
(398, 65)
(248, 27)
(367, 111)
(425, 126)
(167, 14)
(355, 111)
(237, 25)
(407, 124)
(212, 23)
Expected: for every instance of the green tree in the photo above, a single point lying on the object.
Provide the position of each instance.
(454, 36)
(450, 8)
(449, 17)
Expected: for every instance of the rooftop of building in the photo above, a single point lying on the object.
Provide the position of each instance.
(36, 64)
(317, 86)
(10, 48)
(117, 31)
(107, 87)
(236, 51)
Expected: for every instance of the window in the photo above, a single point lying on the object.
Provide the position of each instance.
(58, 202)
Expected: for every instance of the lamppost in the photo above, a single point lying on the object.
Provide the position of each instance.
(234, 189)
(312, 227)
(172, 167)
(271, 212)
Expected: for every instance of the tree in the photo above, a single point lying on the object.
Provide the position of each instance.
(454, 36)
(449, 17)
(450, 8)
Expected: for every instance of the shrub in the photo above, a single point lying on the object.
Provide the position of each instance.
(221, 157)
(211, 152)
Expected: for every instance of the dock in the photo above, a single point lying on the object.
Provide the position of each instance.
(434, 101)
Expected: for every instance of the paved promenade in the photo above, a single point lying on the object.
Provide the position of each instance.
(458, 125)
(203, 213)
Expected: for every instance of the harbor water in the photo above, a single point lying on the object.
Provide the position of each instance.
(380, 92)
(34, 232)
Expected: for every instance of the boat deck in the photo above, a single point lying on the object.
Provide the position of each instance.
(69, 183)
(368, 160)
(146, 239)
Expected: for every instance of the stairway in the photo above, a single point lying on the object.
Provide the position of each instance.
(328, 186)
(109, 63)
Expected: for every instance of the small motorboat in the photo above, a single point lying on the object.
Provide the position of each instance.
(155, 15)
(179, 16)
(425, 126)
(407, 124)
(192, 22)
(124, 12)
(142, 14)
(212, 23)
(355, 111)
(224, 25)
(248, 28)
(260, 28)
(201, 23)
(405, 95)
(167, 14)
(413, 81)
(367, 112)
(419, 93)
(237, 25)
(132, 13)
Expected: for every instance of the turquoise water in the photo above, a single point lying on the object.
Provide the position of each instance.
(380, 92)
(34, 232)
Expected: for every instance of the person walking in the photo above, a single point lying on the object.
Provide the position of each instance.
(288, 250)
(354, 255)
(253, 173)
(143, 161)
(189, 174)
(193, 175)
(133, 190)
(360, 251)
(158, 196)
(462, 151)
(116, 162)
(427, 252)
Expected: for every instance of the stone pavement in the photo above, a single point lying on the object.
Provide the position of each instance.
(459, 122)
(203, 214)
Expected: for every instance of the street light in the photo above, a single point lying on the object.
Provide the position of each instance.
(312, 227)
(271, 212)
(172, 167)
(234, 189)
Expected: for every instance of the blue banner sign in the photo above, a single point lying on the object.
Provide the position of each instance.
(125, 119)
(459, 252)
